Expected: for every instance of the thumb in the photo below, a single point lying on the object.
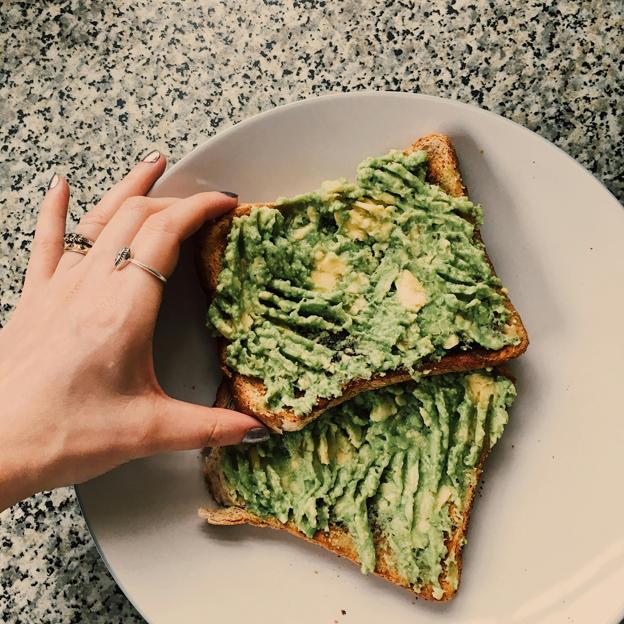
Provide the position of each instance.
(184, 426)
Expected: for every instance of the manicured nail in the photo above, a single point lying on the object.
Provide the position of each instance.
(258, 434)
(230, 194)
(54, 180)
(152, 157)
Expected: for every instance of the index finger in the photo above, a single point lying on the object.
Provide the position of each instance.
(157, 244)
(137, 182)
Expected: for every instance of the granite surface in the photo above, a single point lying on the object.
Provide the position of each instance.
(86, 86)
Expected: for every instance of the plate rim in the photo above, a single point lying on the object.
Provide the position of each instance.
(302, 103)
(366, 93)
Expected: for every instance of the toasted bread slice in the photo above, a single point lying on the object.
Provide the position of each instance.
(337, 539)
(248, 392)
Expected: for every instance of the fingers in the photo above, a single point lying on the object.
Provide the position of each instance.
(157, 244)
(47, 247)
(137, 183)
(176, 426)
(124, 225)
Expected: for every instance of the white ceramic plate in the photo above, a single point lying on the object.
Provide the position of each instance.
(546, 542)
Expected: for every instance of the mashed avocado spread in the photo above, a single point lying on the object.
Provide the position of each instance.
(391, 461)
(353, 280)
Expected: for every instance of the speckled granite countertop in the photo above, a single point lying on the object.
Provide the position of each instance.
(86, 87)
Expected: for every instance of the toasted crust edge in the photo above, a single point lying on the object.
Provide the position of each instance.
(336, 539)
(248, 392)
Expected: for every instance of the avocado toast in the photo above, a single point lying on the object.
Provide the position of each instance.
(357, 286)
(385, 479)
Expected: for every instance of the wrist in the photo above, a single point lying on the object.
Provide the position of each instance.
(13, 488)
(18, 473)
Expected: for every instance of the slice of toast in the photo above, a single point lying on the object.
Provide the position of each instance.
(337, 539)
(248, 392)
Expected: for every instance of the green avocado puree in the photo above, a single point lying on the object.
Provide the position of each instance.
(392, 460)
(353, 280)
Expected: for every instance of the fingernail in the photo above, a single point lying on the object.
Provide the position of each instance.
(152, 157)
(258, 434)
(54, 180)
(230, 194)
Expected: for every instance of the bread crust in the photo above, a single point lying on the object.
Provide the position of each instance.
(337, 539)
(248, 392)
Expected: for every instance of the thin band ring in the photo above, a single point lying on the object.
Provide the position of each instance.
(124, 256)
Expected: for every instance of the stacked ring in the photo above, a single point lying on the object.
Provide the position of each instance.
(77, 243)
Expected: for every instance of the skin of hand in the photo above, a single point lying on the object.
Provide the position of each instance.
(78, 392)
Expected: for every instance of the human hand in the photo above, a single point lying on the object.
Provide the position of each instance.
(78, 392)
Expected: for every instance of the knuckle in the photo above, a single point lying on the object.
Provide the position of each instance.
(213, 434)
(140, 430)
(104, 321)
(145, 435)
(93, 217)
(161, 223)
(135, 204)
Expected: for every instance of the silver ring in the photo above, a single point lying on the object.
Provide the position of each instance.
(72, 241)
(124, 256)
